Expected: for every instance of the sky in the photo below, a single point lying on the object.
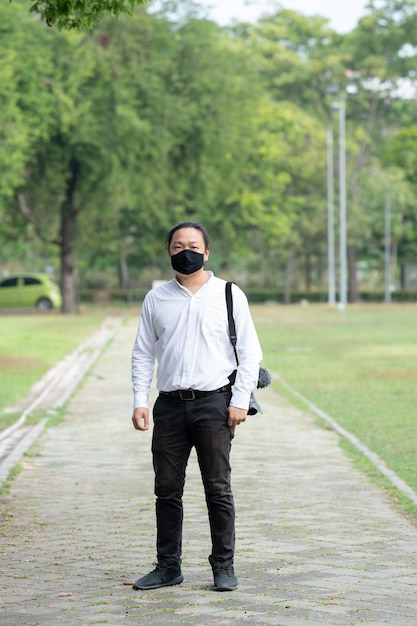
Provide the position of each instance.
(343, 15)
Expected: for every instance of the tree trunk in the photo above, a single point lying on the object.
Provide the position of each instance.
(394, 260)
(289, 272)
(353, 293)
(308, 272)
(403, 276)
(68, 273)
(68, 257)
(123, 274)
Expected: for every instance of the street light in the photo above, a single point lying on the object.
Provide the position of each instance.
(330, 219)
(387, 243)
(350, 90)
(342, 203)
(340, 106)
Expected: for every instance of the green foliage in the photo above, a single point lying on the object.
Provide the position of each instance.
(285, 165)
(31, 345)
(358, 367)
(110, 136)
(24, 67)
(80, 14)
(188, 118)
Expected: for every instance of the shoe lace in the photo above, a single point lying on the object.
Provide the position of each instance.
(162, 568)
(228, 569)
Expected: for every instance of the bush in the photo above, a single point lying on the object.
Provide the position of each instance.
(255, 296)
(102, 296)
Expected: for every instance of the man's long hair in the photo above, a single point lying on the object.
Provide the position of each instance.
(189, 224)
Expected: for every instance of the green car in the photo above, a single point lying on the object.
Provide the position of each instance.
(30, 290)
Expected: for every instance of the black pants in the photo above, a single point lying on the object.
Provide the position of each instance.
(178, 426)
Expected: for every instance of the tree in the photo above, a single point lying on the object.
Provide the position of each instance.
(302, 59)
(68, 165)
(80, 14)
(110, 136)
(193, 108)
(401, 152)
(297, 57)
(284, 190)
(383, 57)
(24, 66)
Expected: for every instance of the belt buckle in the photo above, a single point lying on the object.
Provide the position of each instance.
(191, 393)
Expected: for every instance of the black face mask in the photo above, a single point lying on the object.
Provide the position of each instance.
(187, 261)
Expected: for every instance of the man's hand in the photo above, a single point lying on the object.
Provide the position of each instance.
(236, 416)
(140, 418)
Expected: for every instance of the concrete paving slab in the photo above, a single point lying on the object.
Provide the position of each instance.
(317, 543)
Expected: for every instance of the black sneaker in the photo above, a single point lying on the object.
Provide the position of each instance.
(160, 577)
(224, 578)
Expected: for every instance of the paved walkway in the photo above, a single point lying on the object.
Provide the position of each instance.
(317, 543)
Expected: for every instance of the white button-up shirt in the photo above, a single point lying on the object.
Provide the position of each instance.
(188, 335)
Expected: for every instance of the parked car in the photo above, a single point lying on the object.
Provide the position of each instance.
(30, 290)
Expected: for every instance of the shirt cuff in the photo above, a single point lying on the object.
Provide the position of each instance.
(140, 399)
(240, 400)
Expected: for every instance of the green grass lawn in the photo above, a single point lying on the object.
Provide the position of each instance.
(31, 344)
(359, 366)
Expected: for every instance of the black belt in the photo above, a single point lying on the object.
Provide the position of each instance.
(192, 394)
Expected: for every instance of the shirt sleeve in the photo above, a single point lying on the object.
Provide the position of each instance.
(248, 349)
(143, 357)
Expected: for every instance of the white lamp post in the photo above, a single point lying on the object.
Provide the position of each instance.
(340, 106)
(342, 203)
(387, 243)
(351, 89)
(330, 220)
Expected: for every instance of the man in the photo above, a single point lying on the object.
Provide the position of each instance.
(184, 327)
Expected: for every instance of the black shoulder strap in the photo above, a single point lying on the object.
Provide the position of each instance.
(232, 327)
